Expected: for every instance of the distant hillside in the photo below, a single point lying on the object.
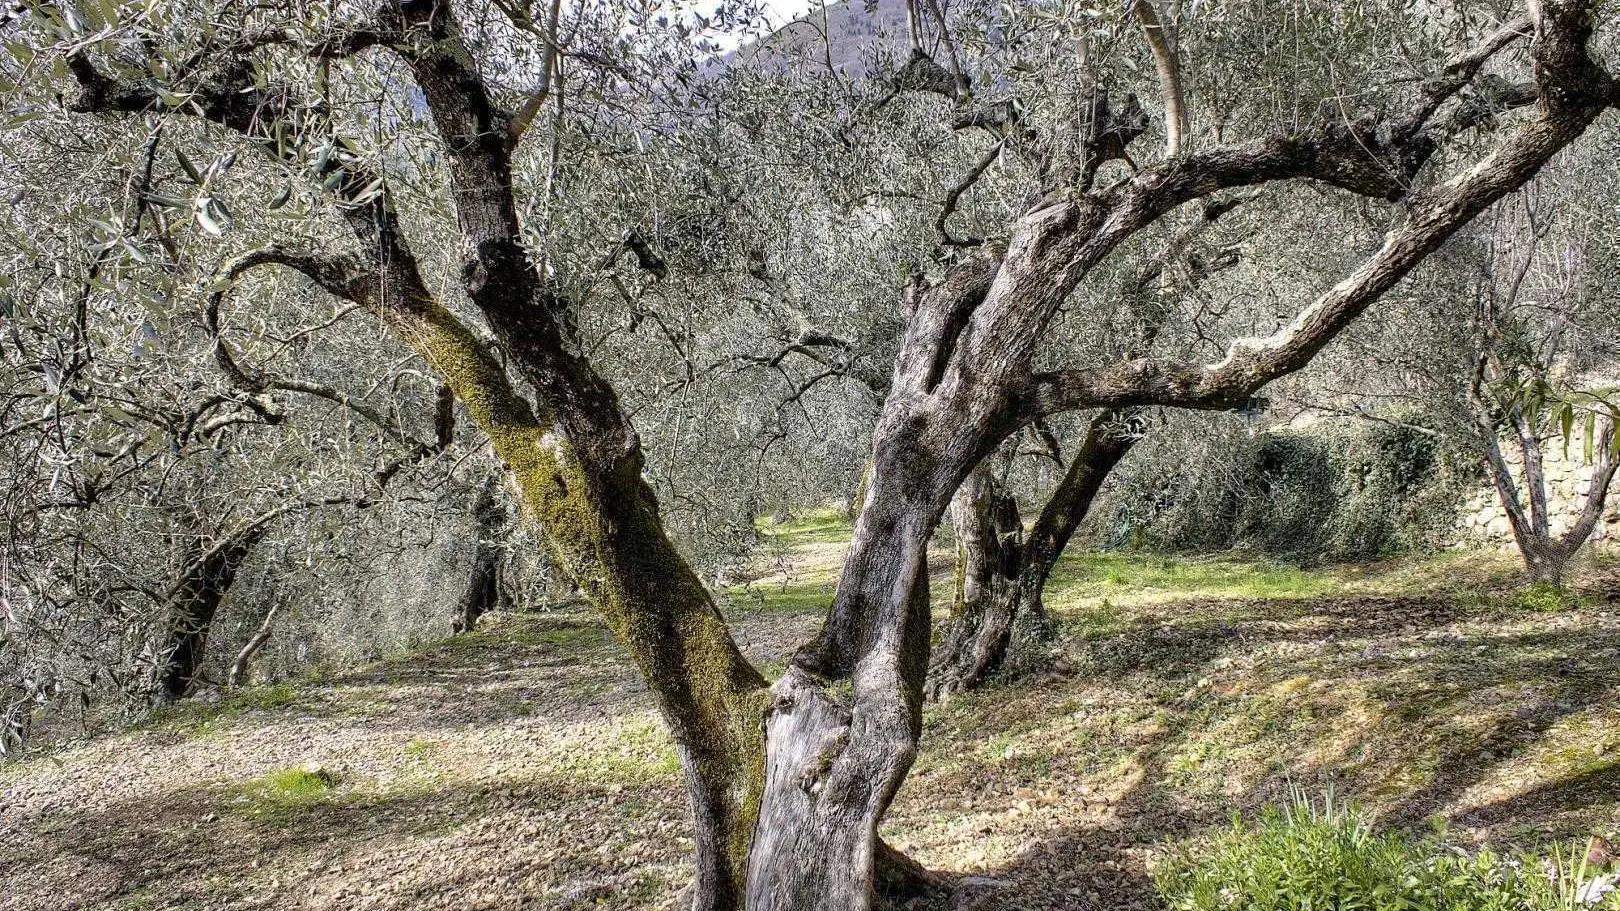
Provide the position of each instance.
(860, 31)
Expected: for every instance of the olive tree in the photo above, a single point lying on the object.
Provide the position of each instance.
(788, 781)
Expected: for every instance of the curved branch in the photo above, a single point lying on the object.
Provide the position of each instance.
(1251, 363)
(343, 279)
(548, 74)
(954, 196)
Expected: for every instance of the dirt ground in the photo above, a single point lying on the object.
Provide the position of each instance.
(523, 767)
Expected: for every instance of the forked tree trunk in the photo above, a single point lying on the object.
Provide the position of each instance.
(827, 762)
(999, 621)
(192, 601)
(1546, 556)
(834, 762)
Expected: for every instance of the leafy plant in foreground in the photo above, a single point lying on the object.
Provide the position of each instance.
(1323, 855)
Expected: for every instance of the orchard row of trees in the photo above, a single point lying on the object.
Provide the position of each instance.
(297, 292)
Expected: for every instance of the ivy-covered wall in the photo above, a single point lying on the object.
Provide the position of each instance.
(1336, 490)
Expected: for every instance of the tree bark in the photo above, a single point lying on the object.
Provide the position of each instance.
(827, 761)
(1546, 556)
(237, 675)
(989, 565)
(191, 603)
(963, 382)
(999, 620)
(484, 592)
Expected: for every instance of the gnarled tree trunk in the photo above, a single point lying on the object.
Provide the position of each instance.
(835, 761)
(989, 563)
(786, 811)
(999, 621)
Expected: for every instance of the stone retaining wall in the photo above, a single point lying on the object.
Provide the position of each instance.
(1568, 478)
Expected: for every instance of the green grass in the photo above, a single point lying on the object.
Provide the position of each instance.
(200, 717)
(1116, 574)
(531, 631)
(636, 751)
(802, 596)
(1323, 854)
(283, 792)
(1547, 598)
(822, 526)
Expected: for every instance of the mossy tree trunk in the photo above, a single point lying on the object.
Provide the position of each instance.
(576, 459)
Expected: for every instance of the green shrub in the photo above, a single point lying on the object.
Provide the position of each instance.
(1338, 490)
(1324, 856)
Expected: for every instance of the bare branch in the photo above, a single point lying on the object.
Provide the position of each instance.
(954, 196)
(1166, 59)
(1251, 363)
(548, 73)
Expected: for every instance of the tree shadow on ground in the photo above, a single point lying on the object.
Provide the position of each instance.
(421, 846)
(1572, 671)
(1439, 685)
(1558, 809)
(1445, 681)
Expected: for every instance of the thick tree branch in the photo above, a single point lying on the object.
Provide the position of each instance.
(1251, 363)
(548, 74)
(1457, 74)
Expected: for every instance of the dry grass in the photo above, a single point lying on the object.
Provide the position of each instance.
(524, 765)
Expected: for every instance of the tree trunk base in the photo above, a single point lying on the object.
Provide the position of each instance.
(903, 884)
(829, 774)
(1008, 637)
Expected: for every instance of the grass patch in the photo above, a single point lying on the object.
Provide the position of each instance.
(1323, 854)
(1114, 575)
(281, 792)
(1547, 598)
(200, 717)
(1475, 574)
(495, 632)
(823, 526)
(799, 597)
(635, 750)
(530, 631)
